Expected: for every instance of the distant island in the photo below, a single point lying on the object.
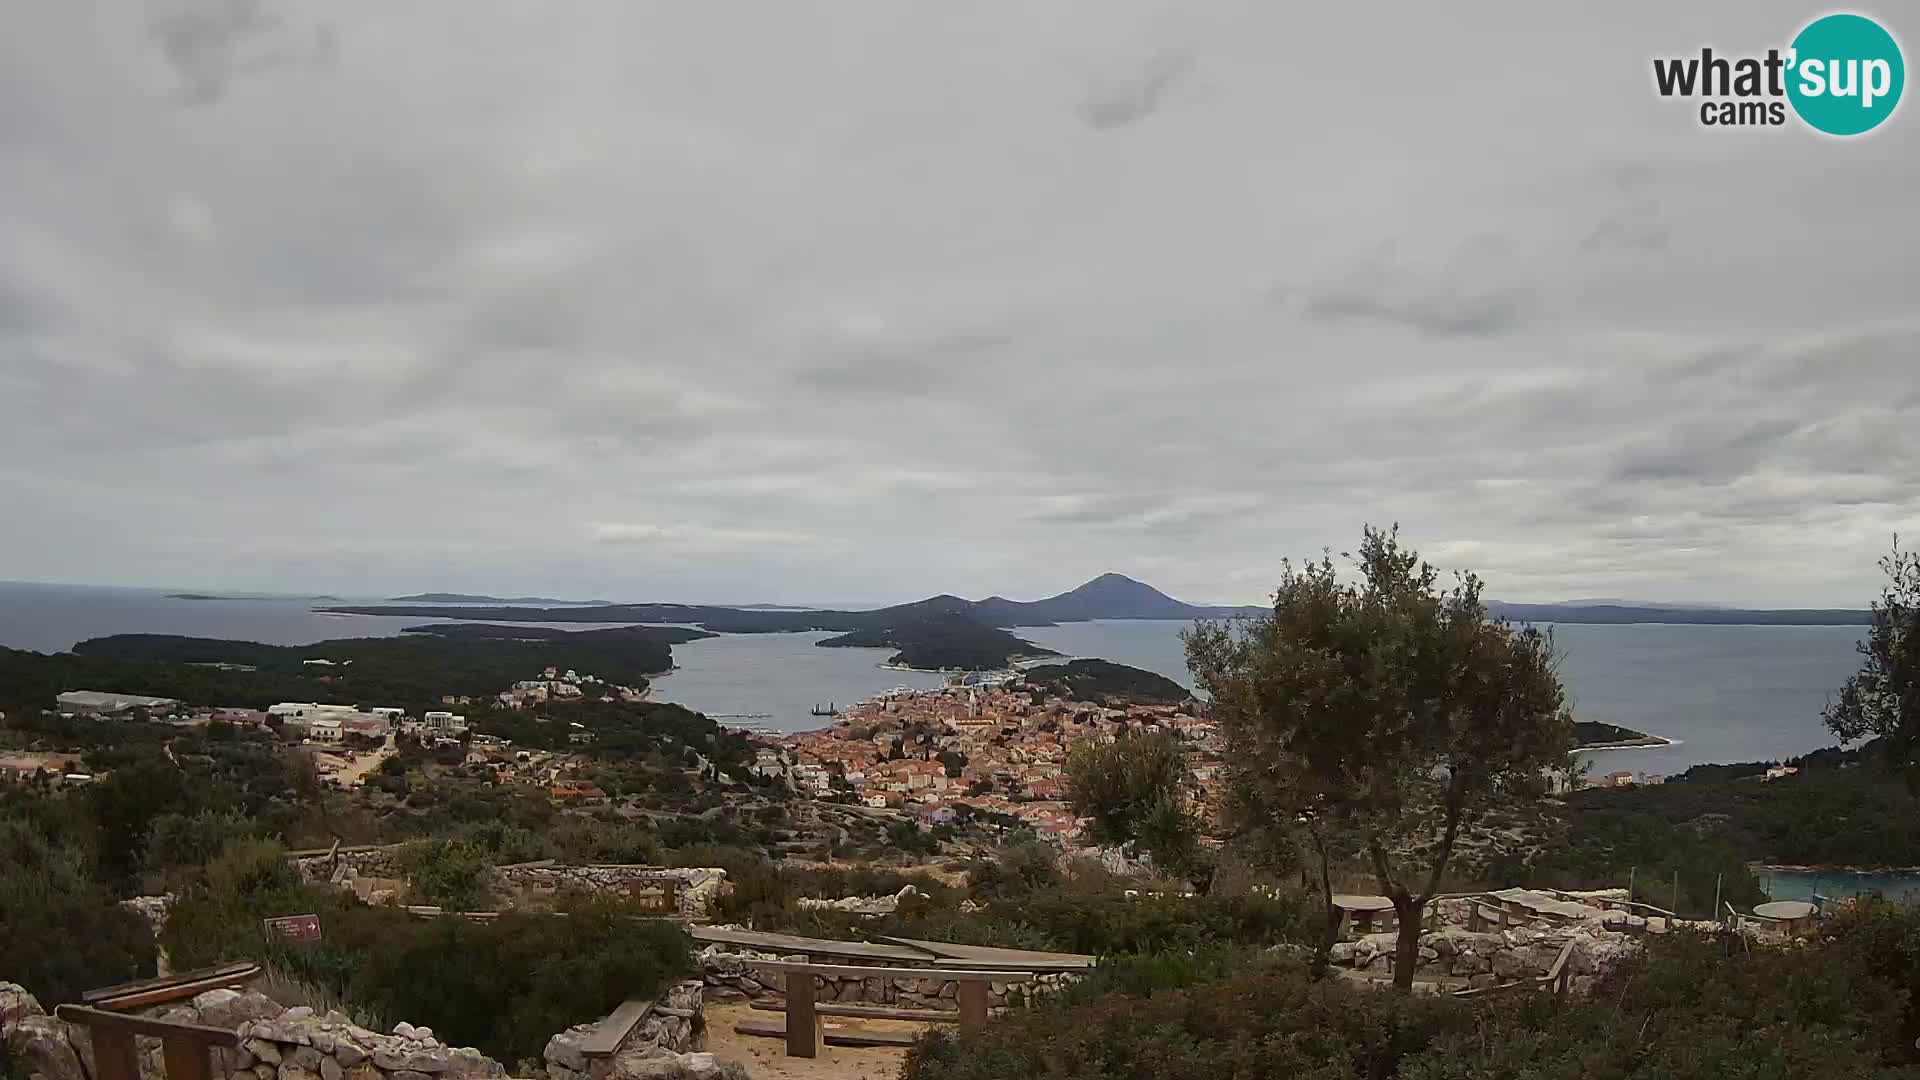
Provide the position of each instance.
(935, 640)
(471, 598)
(1590, 735)
(930, 633)
(1101, 680)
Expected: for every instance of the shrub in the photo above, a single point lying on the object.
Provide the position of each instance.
(454, 874)
(1691, 1007)
(60, 931)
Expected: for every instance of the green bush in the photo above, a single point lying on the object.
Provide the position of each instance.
(60, 930)
(1692, 1007)
(453, 874)
(504, 985)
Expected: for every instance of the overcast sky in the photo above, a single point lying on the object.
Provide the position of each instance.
(850, 301)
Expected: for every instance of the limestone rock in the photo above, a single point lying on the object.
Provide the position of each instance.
(16, 1004)
(266, 1051)
(348, 1052)
(433, 1059)
(38, 1044)
(331, 1070)
(217, 1008)
(294, 1072)
(563, 1049)
(305, 1058)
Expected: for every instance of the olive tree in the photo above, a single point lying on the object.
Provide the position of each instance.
(1379, 713)
(1883, 697)
(1133, 789)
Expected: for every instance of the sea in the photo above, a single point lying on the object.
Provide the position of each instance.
(1720, 693)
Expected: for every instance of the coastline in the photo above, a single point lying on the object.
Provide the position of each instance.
(1650, 742)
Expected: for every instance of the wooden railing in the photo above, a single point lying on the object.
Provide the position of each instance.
(182, 1046)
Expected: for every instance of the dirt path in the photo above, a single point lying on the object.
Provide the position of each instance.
(767, 1058)
(351, 774)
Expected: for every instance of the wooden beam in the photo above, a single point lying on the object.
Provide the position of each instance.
(242, 970)
(872, 1012)
(771, 1029)
(607, 1036)
(853, 971)
(100, 1020)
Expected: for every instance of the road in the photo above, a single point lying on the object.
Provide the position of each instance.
(352, 774)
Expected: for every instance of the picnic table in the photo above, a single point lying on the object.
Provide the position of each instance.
(1796, 915)
(1361, 909)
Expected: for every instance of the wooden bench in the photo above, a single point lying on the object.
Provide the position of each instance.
(182, 1046)
(610, 1034)
(803, 1023)
(141, 993)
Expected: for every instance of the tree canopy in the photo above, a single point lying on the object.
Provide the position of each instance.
(1883, 697)
(1133, 790)
(1383, 710)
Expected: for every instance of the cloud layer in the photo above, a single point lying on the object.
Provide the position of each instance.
(861, 301)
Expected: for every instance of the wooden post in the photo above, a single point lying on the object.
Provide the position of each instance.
(186, 1059)
(1631, 871)
(1675, 906)
(973, 1004)
(1717, 878)
(184, 1046)
(114, 1056)
(670, 895)
(803, 1036)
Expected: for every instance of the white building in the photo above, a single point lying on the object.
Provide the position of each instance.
(94, 702)
(326, 731)
(444, 723)
(307, 710)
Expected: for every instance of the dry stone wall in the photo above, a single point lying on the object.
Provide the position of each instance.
(276, 1043)
(730, 976)
(696, 887)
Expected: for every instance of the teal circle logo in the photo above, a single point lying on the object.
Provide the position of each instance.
(1845, 74)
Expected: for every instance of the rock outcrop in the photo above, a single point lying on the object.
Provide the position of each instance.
(276, 1043)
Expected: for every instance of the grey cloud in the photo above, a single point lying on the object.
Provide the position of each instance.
(1467, 295)
(202, 41)
(431, 317)
(1126, 95)
(209, 42)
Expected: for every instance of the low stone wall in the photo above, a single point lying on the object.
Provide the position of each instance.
(696, 887)
(672, 1029)
(1491, 958)
(730, 976)
(276, 1043)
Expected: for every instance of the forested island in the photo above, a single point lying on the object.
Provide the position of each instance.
(1100, 680)
(937, 641)
(415, 669)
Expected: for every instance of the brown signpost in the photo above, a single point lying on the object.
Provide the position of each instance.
(293, 929)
